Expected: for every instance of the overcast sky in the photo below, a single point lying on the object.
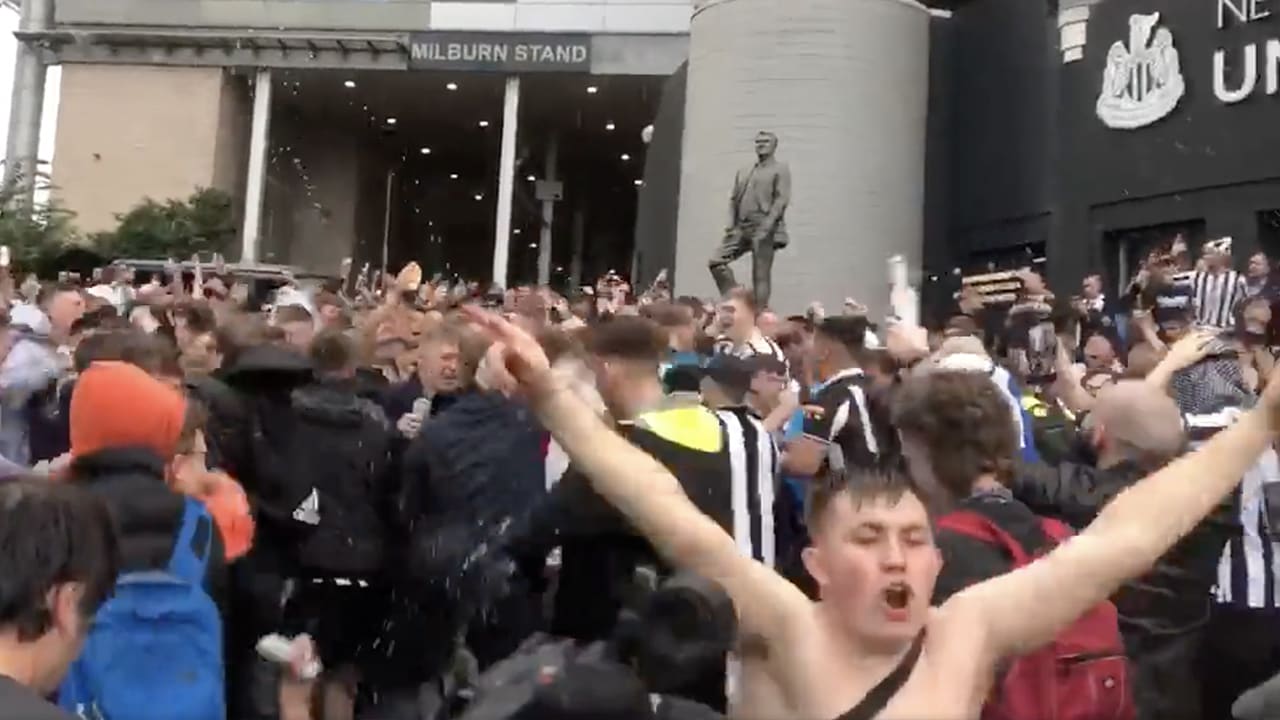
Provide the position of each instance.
(8, 49)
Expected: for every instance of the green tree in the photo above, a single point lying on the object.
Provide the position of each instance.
(203, 223)
(36, 233)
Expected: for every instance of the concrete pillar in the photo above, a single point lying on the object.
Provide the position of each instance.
(259, 149)
(506, 180)
(844, 85)
(26, 107)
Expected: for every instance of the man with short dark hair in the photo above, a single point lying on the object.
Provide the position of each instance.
(625, 353)
(59, 557)
(847, 427)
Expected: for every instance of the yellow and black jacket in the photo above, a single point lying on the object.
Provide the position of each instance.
(600, 552)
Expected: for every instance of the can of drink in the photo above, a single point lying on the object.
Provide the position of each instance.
(421, 408)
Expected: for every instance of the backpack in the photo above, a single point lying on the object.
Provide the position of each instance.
(155, 650)
(1081, 675)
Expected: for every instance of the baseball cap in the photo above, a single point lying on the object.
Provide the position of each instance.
(1173, 303)
(730, 372)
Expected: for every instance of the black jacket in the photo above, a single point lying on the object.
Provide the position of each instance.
(469, 483)
(261, 377)
(326, 449)
(600, 550)
(1174, 595)
(147, 513)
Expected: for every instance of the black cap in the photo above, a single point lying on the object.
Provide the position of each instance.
(730, 372)
(1173, 303)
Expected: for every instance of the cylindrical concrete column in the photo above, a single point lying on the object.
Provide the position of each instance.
(506, 180)
(256, 184)
(844, 85)
(26, 105)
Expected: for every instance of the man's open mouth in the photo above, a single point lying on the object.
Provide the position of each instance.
(897, 596)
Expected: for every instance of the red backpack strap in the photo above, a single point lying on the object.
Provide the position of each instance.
(1056, 530)
(979, 527)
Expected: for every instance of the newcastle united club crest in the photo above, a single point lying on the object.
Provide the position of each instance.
(1143, 82)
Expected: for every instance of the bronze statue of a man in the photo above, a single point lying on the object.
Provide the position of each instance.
(757, 225)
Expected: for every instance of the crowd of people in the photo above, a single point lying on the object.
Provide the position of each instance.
(427, 500)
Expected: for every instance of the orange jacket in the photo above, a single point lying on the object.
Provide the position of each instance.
(229, 506)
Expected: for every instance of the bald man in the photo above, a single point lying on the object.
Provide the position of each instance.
(1133, 431)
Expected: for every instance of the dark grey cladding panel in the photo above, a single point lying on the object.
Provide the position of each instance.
(393, 15)
(659, 203)
(638, 54)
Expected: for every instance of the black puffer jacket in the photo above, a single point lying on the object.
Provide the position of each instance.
(147, 513)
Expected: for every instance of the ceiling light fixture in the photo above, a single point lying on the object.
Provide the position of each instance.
(592, 89)
(639, 183)
(451, 86)
(453, 176)
(625, 157)
(532, 178)
(484, 123)
(391, 121)
(516, 231)
(349, 84)
(610, 127)
(533, 246)
(479, 197)
(425, 151)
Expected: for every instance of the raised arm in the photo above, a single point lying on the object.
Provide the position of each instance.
(1186, 352)
(1024, 609)
(646, 492)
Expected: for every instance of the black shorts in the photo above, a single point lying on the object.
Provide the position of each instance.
(343, 620)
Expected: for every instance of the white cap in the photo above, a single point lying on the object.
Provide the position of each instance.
(31, 317)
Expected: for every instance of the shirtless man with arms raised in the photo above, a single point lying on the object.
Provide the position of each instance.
(875, 563)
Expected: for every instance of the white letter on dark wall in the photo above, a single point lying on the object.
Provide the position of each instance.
(1257, 11)
(1273, 66)
(1239, 12)
(1247, 82)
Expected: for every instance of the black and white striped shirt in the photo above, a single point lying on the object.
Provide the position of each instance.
(753, 469)
(1216, 295)
(855, 432)
(1250, 563)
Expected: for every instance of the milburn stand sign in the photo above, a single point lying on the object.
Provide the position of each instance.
(500, 52)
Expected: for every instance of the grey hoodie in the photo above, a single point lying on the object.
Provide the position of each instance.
(30, 367)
